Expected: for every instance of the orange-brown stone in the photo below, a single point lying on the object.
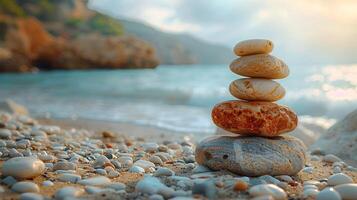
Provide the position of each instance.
(254, 118)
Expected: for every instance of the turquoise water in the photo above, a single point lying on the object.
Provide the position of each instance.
(173, 97)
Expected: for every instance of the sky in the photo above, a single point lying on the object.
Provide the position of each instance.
(315, 32)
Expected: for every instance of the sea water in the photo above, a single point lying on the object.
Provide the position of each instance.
(178, 98)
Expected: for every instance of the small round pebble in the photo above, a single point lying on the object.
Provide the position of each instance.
(47, 183)
(144, 164)
(30, 196)
(64, 166)
(264, 197)
(5, 133)
(137, 169)
(23, 167)
(117, 186)
(25, 186)
(328, 194)
(71, 178)
(310, 193)
(95, 181)
(268, 189)
(338, 179)
(347, 191)
(156, 197)
(68, 191)
(164, 171)
(331, 158)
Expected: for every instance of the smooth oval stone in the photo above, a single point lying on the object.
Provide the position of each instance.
(25, 186)
(23, 167)
(347, 191)
(268, 189)
(252, 156)
(338, 179)
(68, 192)
(31, 196)
(254, 118)
(5, 133)
(95, 181)
(254, 46)
(256, 89)
(328, 194)
(260, 66)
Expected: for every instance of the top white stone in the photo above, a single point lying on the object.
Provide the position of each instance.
(254, 46)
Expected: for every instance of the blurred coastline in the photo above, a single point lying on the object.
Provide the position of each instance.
(175, 98)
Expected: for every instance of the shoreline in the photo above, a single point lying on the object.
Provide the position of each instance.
(149, 133)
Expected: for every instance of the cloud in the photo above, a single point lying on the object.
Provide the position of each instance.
(304, 31)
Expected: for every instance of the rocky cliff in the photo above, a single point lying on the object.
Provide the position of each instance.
(50, 34)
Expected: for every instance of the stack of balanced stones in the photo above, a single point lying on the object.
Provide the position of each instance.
(258, 146)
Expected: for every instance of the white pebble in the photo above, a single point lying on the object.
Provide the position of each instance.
(307, 187)
(113, 174)
(347, 191)
(336, 170)
(268, 189)
(264, 197)
(137, 169)
(71, 178)
(5, 133)
(285, 178)
(308, 170)
(144, 164)
(150, 147)
(310, 193)
(328, 194)
(23, 167)
(95, 181)
(47, 183)
(164, 171)
(315, 158)
(152, 185)
(331, 158)
(68, 191)
(30, 196)
(117, 186)
(25, 186)
(338, 179)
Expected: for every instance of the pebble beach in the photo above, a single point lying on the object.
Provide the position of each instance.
(42, 161)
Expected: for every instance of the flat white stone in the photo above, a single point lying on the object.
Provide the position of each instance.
(68, 191)
(328, 194)
(144, 164)
(310, 193)
(137, 169)
(164, 171)
(95, 181)
(25, 186)
(31, 196)
(23, 167)
(338, 179)
(347, 191)
(117, 186)
(71, 178)
(268, 189)
(331, 158)
(152, 185)
(5, 133)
